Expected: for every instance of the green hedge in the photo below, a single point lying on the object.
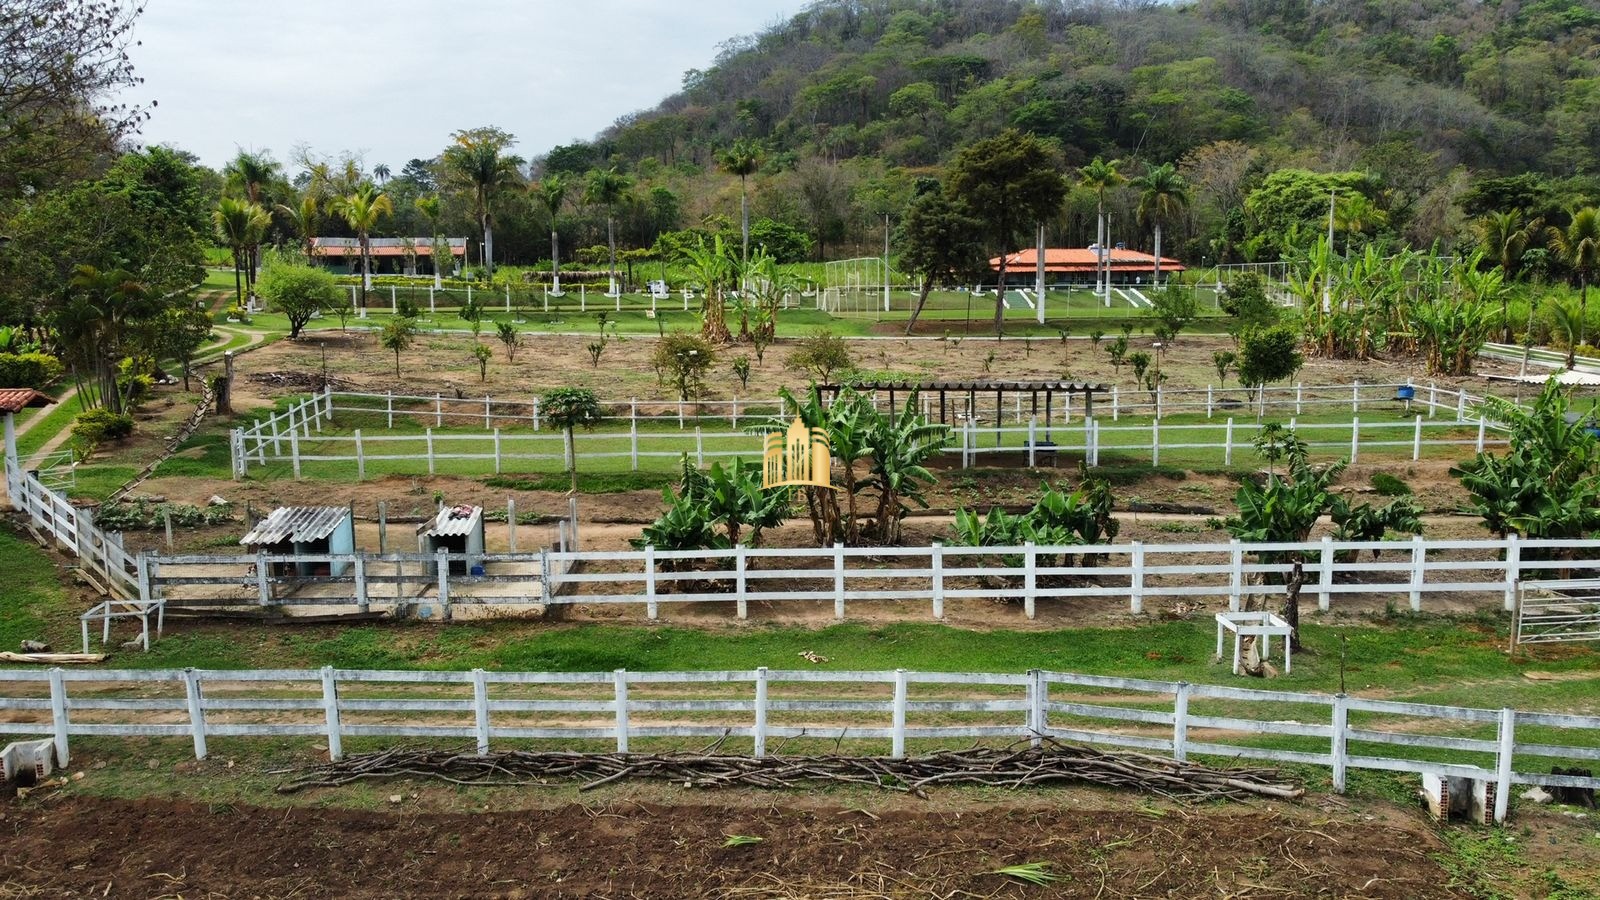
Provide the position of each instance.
(28, 370)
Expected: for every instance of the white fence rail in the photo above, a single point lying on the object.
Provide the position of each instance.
(1178, 718)
(99, 552)
(1552, 612)
(1488, 570)
(646, 431)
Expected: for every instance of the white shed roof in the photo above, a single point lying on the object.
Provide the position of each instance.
(296, 523)
(453, 521)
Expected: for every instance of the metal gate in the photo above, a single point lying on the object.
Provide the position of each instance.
(1550, 612)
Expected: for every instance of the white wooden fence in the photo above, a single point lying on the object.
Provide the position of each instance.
(1486, 570)
(296, 435)
(1178, 718)
(99, 552)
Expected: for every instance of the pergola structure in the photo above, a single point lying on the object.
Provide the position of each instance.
(970, 397)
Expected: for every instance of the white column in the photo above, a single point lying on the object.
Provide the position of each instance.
(330, 712)
(898, 742)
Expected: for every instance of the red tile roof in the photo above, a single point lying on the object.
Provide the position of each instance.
(421, 251)
(17, 399)
(1075, 259)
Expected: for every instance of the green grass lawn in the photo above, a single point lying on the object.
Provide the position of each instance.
(55, 419)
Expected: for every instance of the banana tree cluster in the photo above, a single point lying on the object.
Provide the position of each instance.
(1081, 517)
(717, 509)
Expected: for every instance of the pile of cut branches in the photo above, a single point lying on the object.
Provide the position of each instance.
(1013, 767)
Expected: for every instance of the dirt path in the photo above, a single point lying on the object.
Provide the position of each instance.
(80, 847)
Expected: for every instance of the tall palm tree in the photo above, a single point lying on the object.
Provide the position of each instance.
(1504, 238)
(742, 159)
(304, 217)
(1100, 177)
(430, 208)
(479, 164)
(362, 211)
(250, 174)
(552, 194)
(240, 225)
(608, 187)
(1578, 245)
(107, 306)
(381, 172)
(1164, 194)
(1566, 323)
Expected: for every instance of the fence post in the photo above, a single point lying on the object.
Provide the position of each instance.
(1033, 440)
(197, 714)
(1483, 427)
(361, 458)
(1355, 439)
(1341, 720)
(1227, 443)
(438, 411)
(488, 414)
(1136, 586)
(277, 442)
(480, 709)
(497, 451)
(733, 421)
(838, 581)
(1036, 688)
(1208, 401)
(390, 409)
(58, 714)
(444, 584)
(142, 563)
(362, 603)
(739, 564)
(651, 606)
(1116, 411)
(294, 450)
(1030, 578)
(680, 414)
(620, 681)
(1235, 574)
(1508, 747)
(263, 585)
(936, 586)
(633, 433)
(1416, 440)
(1355, 396)
(758, 733)
(235, 457)
(1158, 403)
(1419, 570)
(1461, 406)
(1513, 570)
(1155, 443)
(429, 433)
(536, 414)
(1299, 396)
(330, 710)
(898, 750)
(699, 448)
(1325, 578)
(545, 591)
(1180, 723)
(965, 444)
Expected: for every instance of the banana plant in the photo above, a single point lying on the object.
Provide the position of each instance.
(899, 448)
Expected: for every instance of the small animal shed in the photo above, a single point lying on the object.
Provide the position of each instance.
(455, 530)
(304, 531)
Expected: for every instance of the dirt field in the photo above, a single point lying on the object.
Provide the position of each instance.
(1101, 846)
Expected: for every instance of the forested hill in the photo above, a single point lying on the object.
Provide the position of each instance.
(1508, 85)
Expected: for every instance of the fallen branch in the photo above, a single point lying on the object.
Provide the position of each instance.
(1051, 763)
(51, 659)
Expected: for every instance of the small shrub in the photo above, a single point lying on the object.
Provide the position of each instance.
(28, 370)
(1389, 485)
(96, 426)
(684, 359)
(821, 356)
(405, 309)
(741, 371)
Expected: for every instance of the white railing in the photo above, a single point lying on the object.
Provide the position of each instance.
(99, 552)
(1410, 570)
(295, 435)
(1177, 718)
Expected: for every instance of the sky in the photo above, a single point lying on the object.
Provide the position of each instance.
(392, 80)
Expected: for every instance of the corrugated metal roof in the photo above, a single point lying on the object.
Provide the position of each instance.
(453, 521)
(18, 399)
(296, 523)
(1072, 259)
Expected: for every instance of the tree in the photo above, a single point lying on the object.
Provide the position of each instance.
(298, 291)
(821, 355)
(900, 446)
(362, 211)
(1269, 354)
(184, 328)
(1566, 325)
(608, 187)
(710, 265)
(1505, 237)
(63, 63)
(478, 163)
(482, 354)
(1007, 181)
(1578, 245)
(239, 226)
(396, 336)
(100, 325)
(1245, 299)
(742, 159)
(1101, 177)
(1173, 308)
(684, 359)
(552, 194)
(569, 409)
(1163, 196)
(305, 218)
(507, 333)
(248, 175)
(939, 243)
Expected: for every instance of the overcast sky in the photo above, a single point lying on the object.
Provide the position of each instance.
(392, 80)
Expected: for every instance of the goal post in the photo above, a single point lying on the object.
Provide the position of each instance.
(854, 286)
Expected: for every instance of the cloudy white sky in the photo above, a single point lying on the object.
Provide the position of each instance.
(392, 79)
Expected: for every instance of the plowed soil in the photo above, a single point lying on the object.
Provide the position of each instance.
(82, 847)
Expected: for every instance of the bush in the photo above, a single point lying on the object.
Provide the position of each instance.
(144, 514)
(95, 426)
(1389, 486)
(822, 355)
(683, 359)
(28, 370)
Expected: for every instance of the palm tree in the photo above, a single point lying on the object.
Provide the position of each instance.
(381, 172)
(362, 211)
(742, 159)
(248, 174)
(1504, 237)
(1578, 245)
(552, 194)
(1101, 176)
(105, 308)
(607, 187)
(430, 208)
(1164, 194)
(1566, 324)
(478, 163)
(240, 225)
(304, 217)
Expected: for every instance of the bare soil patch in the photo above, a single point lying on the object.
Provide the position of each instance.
(80, 847)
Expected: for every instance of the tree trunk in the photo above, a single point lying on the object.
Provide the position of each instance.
(611, 242)
(488, 248)
(1156, 282)
(922, 299)
(555, 262)
(1291, 601)
(366, 268)
(1000, 299)
(238, 285)
(397, 362)
(572, 469)
(744, 223)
